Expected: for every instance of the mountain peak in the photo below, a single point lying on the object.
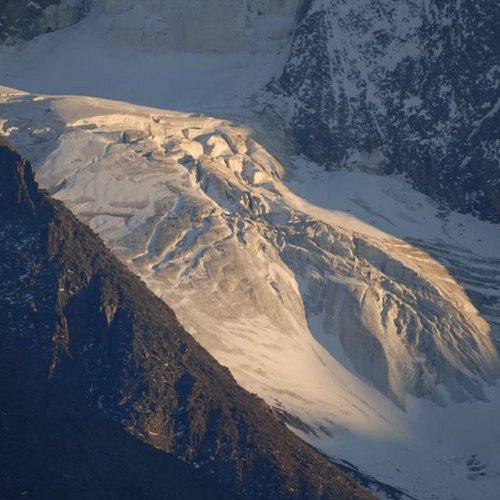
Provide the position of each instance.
(17, 181)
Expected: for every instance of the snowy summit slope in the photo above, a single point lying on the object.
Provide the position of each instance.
(366, 343)
(158, 53)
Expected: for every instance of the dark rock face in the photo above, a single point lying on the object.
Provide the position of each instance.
(54, 447)
(25, 19)
(73, 315)
(402, 86)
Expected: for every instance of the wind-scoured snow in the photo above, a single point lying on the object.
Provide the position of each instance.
(353, 305)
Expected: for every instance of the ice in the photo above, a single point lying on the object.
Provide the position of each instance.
(288, 276)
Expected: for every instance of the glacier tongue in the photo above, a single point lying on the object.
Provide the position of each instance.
(319, 305)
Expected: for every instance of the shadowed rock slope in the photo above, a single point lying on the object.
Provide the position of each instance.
(407, 87)
(55, 447)
(25, 19)
(73, 315)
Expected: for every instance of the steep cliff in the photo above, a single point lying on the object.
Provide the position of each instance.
(409, 87)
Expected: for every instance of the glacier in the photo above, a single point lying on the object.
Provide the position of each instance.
(327, 311)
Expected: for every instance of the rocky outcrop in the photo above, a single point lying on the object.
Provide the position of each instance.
(26, 19)
(54, 446)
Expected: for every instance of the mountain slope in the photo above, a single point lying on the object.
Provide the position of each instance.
(409, 87)
(202, 29)
(387, 302)
(55, 447)
(74, 314)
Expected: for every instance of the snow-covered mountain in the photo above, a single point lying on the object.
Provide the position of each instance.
(405, 87)
(366, 314)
